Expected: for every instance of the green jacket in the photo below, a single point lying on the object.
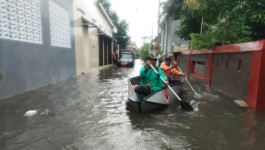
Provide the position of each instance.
(151, 77)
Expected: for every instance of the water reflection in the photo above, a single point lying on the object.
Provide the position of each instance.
(254, 129)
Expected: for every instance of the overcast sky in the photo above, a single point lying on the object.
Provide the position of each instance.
(142, 16)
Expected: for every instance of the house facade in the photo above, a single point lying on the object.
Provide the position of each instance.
(37, 45)
(93, 36)
(46, 41)
(169, 41)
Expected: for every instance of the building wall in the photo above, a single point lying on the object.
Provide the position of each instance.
(236, 69)
(90, 48)
(168, 37)
(30, 55)
(227, 76)
(182, 63)
(86, 43)
(175, 25)
(163, 37)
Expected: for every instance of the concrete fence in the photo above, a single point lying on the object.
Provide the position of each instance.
(237, 69)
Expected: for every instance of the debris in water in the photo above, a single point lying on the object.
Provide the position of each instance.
(48, 112)
(194, 104)
(241, 103)
(31, 113)
(197, 95)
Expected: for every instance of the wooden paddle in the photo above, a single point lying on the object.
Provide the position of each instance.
(184, 105)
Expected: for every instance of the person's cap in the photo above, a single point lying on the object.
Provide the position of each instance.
(150, 58)
(168, 58)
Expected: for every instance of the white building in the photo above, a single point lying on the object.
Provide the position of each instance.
(93, 36)
(169, 41)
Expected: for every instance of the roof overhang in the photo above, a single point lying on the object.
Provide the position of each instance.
(88, 23)
(101, 33)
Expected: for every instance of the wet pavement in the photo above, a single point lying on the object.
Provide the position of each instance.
(91, 113)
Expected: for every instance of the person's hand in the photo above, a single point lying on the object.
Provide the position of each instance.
(175, 64)
(166, 82)
(183, 74)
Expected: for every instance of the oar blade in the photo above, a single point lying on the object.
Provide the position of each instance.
(186, 106)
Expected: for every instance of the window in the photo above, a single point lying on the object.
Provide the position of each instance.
(126, 56)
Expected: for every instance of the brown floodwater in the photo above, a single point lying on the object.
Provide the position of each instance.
(89, 112)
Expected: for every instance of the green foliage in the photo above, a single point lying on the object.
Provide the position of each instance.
(201, 41)
(1, 76)
(122, 26)
(123, 40)
(172, 8)
(250, 15)
(190, 22)
(144, 53)
(224, 22)
(137, 55)
(144, 50)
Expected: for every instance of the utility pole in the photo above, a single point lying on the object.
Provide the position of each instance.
(158, 35)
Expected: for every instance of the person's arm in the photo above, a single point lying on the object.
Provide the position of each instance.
(175, 71)
(161, 73)
(165, 67)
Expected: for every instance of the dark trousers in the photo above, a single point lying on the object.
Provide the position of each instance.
(172, 81)
(142, 90)
(114, 61)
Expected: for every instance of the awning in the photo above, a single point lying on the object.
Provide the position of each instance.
(88, 23)
(101, 33)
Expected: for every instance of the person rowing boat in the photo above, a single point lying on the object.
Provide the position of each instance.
(150, 81)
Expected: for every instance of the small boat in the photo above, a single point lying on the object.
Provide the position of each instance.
(156, 100)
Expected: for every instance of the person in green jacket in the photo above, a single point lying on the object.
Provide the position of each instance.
(150, 81)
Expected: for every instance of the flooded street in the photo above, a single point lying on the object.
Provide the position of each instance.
(90, 113)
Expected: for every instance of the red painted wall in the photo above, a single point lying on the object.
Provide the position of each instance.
(256, 92)
(188, 67)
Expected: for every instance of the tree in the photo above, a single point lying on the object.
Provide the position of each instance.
(190, 17)
(172, 8)
(234, 21)
(144, 50)
(122, 26)
(121, 34)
